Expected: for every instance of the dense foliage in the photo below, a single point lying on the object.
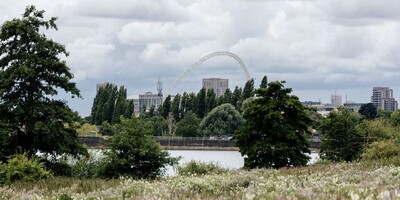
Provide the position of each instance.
(276, 129)
(341, 140)
(189, 126)
(21, 168)
(222, 120)
(109, 104)
(368, 111)
(134, 152)
(31, 73)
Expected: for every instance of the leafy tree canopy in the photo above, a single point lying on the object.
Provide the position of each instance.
(134, 152)
(368, 111)
(276, 129)
(341, 140)
(189, 126)
(222, 120)
(31, 73)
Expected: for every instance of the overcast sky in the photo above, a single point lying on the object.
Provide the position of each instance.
(319, 47)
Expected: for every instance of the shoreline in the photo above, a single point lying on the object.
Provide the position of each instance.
(203, 148)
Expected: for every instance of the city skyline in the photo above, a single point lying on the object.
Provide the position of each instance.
(317, 47)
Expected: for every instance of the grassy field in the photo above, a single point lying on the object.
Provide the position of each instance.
(362, 180)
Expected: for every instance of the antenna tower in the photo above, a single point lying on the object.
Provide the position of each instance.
(159, 87)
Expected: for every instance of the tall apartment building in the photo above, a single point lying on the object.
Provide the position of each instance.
(218, 84)
(336, 100)
(382, 97)
(149, 99)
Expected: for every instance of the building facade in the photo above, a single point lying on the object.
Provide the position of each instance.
(382, 98)
(148, 100)
(336, 100)
(218, 84)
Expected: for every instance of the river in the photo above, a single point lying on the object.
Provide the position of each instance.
(226, 159)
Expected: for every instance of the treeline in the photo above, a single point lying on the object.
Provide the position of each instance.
(109, 104)
(186, 115)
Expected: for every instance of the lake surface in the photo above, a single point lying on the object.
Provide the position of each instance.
(226, 159)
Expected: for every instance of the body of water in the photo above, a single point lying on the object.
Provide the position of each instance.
(226, 159)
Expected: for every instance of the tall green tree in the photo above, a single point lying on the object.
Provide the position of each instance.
(211, 100)
(341, 140)
(175, 107)
(236, 97)
(201, 103)
(222, 120)
(31, 74)
(130, 109)
(121, 105)
(264, 82)
(226, 98)
(276, 129)
(166, 107)
(248, 90)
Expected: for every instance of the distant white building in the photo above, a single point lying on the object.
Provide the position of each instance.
(218, 84)
(336, 100)
(148, 100)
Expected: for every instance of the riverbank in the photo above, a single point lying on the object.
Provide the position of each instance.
(200, 148)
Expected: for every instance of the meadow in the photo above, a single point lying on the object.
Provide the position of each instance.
(358, 180)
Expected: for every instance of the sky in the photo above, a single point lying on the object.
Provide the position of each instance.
(319, 47)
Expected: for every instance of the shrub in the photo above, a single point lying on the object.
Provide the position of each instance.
(382, 150)
(200, 168)
(58, 167)
(20, 167)
(2, 173)
(88, 168)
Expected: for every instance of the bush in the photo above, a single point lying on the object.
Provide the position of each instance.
(88, 168)
(382, 150)
(58, 167)
(200, 168)
(20, 167)
(2, 173)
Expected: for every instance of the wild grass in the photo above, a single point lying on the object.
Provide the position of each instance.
(377, 179)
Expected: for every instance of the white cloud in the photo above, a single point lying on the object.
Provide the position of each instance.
(313, 45)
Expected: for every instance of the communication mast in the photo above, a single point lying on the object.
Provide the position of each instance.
(159, 87)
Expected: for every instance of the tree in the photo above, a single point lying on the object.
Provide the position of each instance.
(201, 103)
(236, 97)
(395, 118)
(264, 82)
(341, 140)
(130, 109)
(248, 90)
(31, 74)
(222, 120)
(134, 152)
(211, 101)
(188, 126)
(374, 130)
(166, 107)
(276, 129)
(107, 129)
(121, 105)
(368, 111)
(175, 107)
